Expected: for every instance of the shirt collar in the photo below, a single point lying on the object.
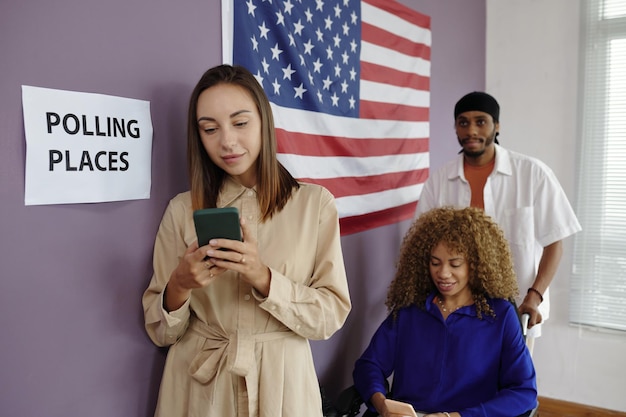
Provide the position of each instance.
(231, 190)
(502, 165)
(470, 310)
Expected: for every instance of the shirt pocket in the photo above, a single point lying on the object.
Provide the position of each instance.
(518, 225)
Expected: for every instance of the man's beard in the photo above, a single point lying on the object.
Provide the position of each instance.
(475, 154)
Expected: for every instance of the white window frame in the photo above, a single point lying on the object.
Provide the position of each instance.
(598, 285)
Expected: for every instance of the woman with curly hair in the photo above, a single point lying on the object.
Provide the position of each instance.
(453, 340)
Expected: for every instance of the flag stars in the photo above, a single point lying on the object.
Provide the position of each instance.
(352, 74)
(337, 70)
(299, 91)
(353, 46)
(251, 7)
(346, 29)
(320, 35)
(317, 66)
(328, 23)
(311, 55)
(297, 27)
(327, 83)
(280, 19)
(264, 31)
(266, 66)
(276, 86)
(259, 78)
(337, 11)
(309, 15)
(329, 53)
(308, 47)
(288, 6)
(287, 72)
(276, 51)
(354, 18)
(337, 40)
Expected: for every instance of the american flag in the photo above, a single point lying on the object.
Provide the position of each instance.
(349, 85)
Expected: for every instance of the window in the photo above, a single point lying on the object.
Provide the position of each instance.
(598, 288)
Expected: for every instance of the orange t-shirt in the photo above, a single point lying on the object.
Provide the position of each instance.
(477, 177)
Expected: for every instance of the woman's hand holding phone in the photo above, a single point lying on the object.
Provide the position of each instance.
(242, 257)
(192, 271)
(399, 409)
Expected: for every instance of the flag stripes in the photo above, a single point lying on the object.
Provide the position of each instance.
(349, 83)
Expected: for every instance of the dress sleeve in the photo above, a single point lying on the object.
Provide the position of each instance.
(317, 308)
(165, 328)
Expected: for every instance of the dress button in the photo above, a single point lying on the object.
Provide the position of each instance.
(250, 193)
(246, 297)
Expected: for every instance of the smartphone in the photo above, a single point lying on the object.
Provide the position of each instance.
(400, 408)
(217, 223)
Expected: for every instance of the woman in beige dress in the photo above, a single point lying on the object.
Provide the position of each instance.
(237, 315)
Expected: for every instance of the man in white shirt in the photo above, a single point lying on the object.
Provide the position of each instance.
(520, 192)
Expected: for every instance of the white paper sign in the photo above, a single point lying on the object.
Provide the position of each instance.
(85, 147)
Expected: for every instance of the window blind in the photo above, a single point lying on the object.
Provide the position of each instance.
(598, 286)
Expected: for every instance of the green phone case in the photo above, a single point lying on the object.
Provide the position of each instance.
(217, 223)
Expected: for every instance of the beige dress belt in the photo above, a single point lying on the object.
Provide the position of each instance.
(234, 351)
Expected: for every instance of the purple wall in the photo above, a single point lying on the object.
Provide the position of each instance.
(71, 276)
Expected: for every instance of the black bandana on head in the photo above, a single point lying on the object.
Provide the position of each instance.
(478, 101)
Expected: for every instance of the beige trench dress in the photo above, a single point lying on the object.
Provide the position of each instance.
(233, 352)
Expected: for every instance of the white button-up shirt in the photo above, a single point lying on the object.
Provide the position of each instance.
(524, 196)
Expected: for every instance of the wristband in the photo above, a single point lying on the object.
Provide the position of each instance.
(536, 291)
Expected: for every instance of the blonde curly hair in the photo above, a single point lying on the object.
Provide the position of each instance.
(468, 232)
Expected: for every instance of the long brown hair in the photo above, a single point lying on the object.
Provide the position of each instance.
(469, 232)
(275, 183)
